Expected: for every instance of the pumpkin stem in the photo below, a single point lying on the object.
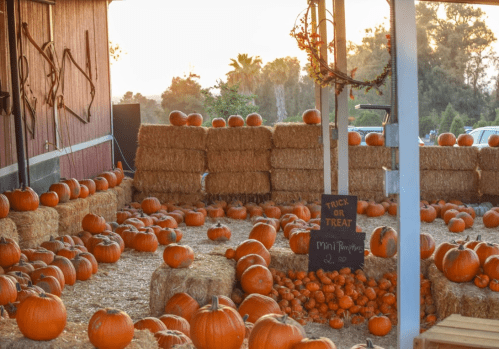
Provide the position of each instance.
(369, 344)
(18, 287)
(479, 238)
(30, 284)
(245, 317)
(461, 247)
(214, 303)
(219, 225)
(284, 318)
(2, 240)
(112, 311)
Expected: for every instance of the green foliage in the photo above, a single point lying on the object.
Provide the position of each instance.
(496, 121)
(228, 102)
(245, 74)
(150, 110)
(457, 126)
(184, 94)
(447, 116)
(368, 118)
(426, 124)
(481, 123)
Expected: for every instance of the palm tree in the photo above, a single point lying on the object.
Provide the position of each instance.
(278, 73)
(246, 72)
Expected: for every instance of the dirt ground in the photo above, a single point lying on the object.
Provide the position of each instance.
(125, 284)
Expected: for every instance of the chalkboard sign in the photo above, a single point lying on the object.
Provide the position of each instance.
(339, 213)
(331, 251)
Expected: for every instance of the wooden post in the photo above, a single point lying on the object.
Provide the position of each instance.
(54, 108)
(317, 87)
(342, 98)
(326, 137)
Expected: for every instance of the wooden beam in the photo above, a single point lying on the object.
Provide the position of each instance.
(471, 2)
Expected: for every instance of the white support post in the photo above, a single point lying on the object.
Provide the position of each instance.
(326, 140)
(342, 98)
(408, 211)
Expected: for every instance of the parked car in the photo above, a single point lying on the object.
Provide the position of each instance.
(363, 131)
(481, 135)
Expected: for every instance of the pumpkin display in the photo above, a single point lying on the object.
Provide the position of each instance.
(74, 188)
(484, 250)
(354, 138)
(178, 256)
(383, 242)
(254, 119)
(257, 279)
(151, 324)
(374, 210)
(235, 121)
(10, 253)
(315, 343)
(256, 305)
(24, 199)
(218, 122)
(491, 219)
(107, 251)
(311, 117)
(83, 267)
(446, 139)
(491, 267)
(427, 213)
(194, 218)
(84, 192)
(460, 264)
(183, 305)
(219, 232)
(252, 246)
(375, 139)
(150, 205)
(41, 317)
(465, 140)
(379, 325)
(194, 119)
(217, 326)
(93, 223)
(4, 206)
(493, 140)
(177, 118)
(427, 245)
(265, 233)
(146, 241)
(299, 241)
(90, 184)
(8, 292)
(275, 331)
(177, 323)
(110, 328)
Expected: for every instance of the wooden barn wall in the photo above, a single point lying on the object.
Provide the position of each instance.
(70, 20)
(95, 160)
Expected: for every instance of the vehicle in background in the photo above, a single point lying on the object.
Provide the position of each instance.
(363, 131)
(481, 135)
(468, 129)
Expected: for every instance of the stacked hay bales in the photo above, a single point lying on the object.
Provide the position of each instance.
(169, 163)
(449, 173)
(238, 162)
(488, 162)
(297, 163)
(104, 203)
(8, 229)
(71, 215)
(34, 227)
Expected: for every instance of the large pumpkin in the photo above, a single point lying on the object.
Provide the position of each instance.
(150, 205)
(257, 305)
(217, 326)
(383, 242)
(178, 256)
(427, 245)
(275, 331)
(311, 116)
(177, 323)
(93, 223)
(265, 233)
(177, 118)
(257, 279)
(375, 139)
(183, 305)
(491, 267)
(110, 328)
(235, 121)
(460, 264)
(354, 138)
(24, 199)
(62, 191)
(41, 317)
(446, 139)
(74, 188)
(194, 119)
(254, 119)
(252, 246)
(465, 140)
(10, 253)
(4, 206)
(441, 251)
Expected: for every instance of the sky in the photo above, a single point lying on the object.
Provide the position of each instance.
(166, 38)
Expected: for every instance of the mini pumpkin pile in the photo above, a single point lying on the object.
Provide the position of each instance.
(466, 261)
(373, 209)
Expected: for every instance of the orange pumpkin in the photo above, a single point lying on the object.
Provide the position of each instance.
(460, 264)
(194, 119)
(254, 119)
(354, 138)
(235, 121)
(493, 140)
(218, 122)
(110, 328)
(383, 242)
(446, 139)
(375, 139)
(311, 116)
(177, 118)
(183, 305)
(465, 140)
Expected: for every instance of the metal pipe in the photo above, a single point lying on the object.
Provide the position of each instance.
(16, 95)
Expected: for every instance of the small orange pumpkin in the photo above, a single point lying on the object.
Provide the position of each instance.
(311, 117)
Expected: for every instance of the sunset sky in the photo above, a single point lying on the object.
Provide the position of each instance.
(165, 38)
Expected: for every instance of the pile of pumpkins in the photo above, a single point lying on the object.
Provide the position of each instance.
(178, 118)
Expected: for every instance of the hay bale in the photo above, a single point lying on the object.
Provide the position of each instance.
(366, 180)
(449, 181)
(8, 229)
(167, 181)
(301, 159)
(239, 138)
(105, 204)
(74, 336)
(301, 180)
(119, 192)
(298, 135)
(71, 214)
(369, 195)
(369, 157)
(375, 267)
(460, 298)
(466, 197)
(448, 158)
(238, 161)
(284, 259)
(493, 199)
(170, 197)
(165, 159)
(34, 227)
(127, 185)
(284, 197)
(489, 182)
(208, 275)
(244, 198)
(173, 137)
(488, 159)
(238, 183)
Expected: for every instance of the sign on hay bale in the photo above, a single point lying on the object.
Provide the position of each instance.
(283, 197)
(165, 159)
(462, 298)
(173, 137)
(127, 185)
(174, 198)
(209, 275)
(448, 158)
(103, 203)
(71, 214)
(167, 181)
(239, 138)
(298, 135)
(34, 227)
(489, 182)
(8, 229)
(488, 159)
(238, 183)
(238, 161)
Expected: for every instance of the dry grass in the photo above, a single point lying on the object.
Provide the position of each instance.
(488, 159)
(239, 161)
(489, 182)
(448, 158)
(301, 159)
(298, 136)
(127, 185)
(34, 227)
(239, 138)
(166, 159)
(238, 183)
(8, 229)
(72, 212)
(119, 192)
(167, 181)
(172, 137)
(103, 203)
(366, 179)
(369, 157)
(449, 181)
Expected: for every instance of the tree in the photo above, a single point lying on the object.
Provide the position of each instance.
(184, 94)
(426, 124)
(150, 110)
(228, 102)
(277, 72)
(457, 126)
(246, 73)
(368, 118)
(447, 117)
